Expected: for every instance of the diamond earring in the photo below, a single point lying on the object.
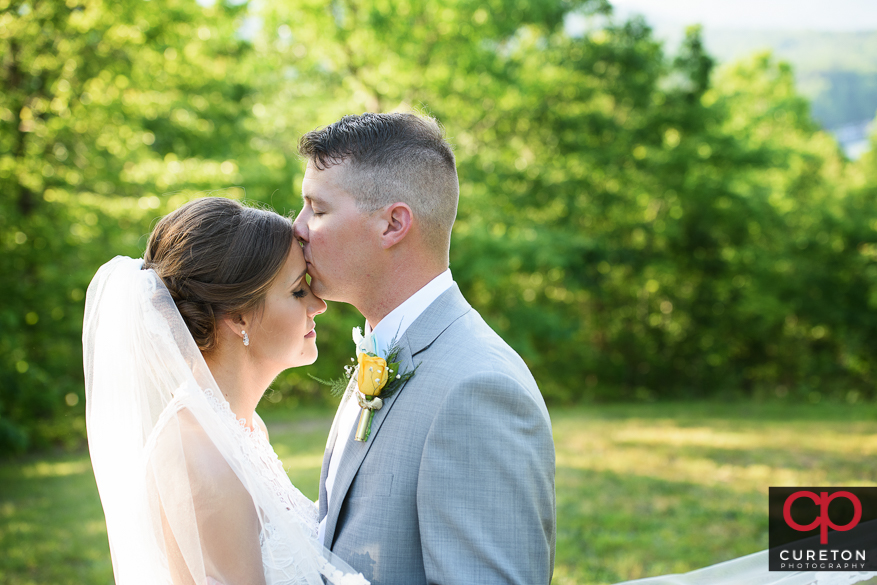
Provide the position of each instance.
(246, 338)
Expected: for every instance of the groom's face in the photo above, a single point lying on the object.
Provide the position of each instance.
(334, 233)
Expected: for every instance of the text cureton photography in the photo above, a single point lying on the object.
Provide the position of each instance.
(823, 528)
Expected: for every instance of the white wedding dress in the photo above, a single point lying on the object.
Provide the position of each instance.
(171, 460)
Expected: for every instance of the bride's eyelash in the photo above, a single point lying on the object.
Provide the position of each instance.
(300, 293)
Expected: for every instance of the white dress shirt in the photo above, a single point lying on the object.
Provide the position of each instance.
(390, 329)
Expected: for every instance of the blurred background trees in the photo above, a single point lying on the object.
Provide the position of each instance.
(637, 225)
(111, 114)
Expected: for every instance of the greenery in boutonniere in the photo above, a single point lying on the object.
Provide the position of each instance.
(338, 385)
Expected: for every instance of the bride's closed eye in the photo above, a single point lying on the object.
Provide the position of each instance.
(300, 293)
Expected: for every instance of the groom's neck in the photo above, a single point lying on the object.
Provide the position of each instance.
(397, 287)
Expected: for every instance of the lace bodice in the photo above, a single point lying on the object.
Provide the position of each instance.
(264, 464)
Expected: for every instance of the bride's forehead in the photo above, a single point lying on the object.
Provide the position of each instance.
(294, 267)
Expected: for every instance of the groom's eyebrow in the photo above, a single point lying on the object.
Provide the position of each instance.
(311, 198)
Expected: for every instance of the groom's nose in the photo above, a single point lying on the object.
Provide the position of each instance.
(300, 227)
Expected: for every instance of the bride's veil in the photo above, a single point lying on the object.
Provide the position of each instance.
(167, 452)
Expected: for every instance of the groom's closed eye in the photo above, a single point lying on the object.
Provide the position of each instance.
(317, 205)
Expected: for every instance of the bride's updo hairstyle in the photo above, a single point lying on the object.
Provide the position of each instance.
(217, 257)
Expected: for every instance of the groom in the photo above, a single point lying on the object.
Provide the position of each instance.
(455, 483)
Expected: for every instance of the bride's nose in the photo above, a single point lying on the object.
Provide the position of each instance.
(317, 307)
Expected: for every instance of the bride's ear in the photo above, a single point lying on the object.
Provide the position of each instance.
(399, 219)
(236, 324)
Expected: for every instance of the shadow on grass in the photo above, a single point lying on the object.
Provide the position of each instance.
(657, 489)
(51, 523)
(614, 527)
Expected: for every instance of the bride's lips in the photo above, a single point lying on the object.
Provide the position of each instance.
(311, 334)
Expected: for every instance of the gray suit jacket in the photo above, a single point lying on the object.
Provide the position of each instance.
(456, 482)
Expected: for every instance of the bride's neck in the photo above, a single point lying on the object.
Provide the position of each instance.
(239, 381)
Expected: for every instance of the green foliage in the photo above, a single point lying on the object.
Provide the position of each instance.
(653, 233)
(637, 227)
(106, 110)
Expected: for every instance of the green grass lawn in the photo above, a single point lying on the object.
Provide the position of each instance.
(641, 490)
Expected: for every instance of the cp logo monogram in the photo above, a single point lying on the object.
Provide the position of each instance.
(823, 522)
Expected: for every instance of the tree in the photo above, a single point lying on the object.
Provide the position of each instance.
(110, 115)
(636, 226)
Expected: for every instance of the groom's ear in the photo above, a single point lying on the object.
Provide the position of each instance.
(399, 219)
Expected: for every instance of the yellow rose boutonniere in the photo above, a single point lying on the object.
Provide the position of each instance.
(373, 374)
(377, 379)
(370, 380)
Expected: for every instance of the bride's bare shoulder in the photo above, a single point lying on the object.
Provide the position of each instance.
(184, 441)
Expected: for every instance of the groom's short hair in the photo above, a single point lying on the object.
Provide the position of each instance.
(398, 157)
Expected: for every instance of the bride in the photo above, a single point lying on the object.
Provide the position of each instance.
(179, 347)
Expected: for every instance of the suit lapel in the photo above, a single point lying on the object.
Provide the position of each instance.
(446, 309)
(440, 315)
(355, 451)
